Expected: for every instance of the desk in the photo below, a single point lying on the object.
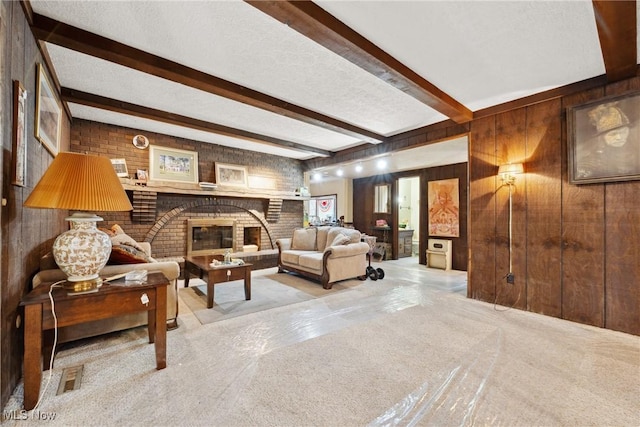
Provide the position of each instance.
(200, 267)
(110, 300)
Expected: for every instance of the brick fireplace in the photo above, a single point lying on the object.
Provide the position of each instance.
(168, 232)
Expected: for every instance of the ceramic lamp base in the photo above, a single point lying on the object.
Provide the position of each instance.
(82, 252)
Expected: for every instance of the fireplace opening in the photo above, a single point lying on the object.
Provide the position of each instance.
(209, 236)
(251, 239)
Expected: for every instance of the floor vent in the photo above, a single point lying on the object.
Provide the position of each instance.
(71, 379)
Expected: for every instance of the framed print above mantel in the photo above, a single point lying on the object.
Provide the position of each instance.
(231, 175)
(603, 140)
(48, 113)
(172, 164)
(120, 166)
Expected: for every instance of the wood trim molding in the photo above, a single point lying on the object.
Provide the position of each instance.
(97, 101)
(61, 34)
(617, 31)
(559, 92)
(320, 26)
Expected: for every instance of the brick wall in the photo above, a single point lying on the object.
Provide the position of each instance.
(169, 240)
(116, 142)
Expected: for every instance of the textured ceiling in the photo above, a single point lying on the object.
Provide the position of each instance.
(480, 53)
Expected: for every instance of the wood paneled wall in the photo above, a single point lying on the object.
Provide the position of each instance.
(364, 218)
(576, 248)
(26, 234)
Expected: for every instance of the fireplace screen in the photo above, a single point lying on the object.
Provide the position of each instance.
(210, 236)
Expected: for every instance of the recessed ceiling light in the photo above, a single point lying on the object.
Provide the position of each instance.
(339, 172)
(317, 176)
(382, 164)
(358, 168)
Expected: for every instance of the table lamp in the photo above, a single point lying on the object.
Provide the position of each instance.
(81, 182)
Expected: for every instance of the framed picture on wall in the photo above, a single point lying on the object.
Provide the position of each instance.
(444, 208)
(48, 113)
(603, 140)
(19, 158)
(231, 175)
(172, 164)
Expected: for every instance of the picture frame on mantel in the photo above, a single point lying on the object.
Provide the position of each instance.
(120, 166)
(232, 175)
(603, 140)
(172, 164)
(19, 158)
(48, 113)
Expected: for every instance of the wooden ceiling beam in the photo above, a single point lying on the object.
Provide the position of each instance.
(97, 101)
(61, 34)
(320, 26)
(617, 31)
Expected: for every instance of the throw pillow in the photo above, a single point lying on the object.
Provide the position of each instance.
(125, 239)
(126, 254)
(336, 231)
(340, 239)
(353, 234)
(304, 239)
(119, 237)
(321, 240)
(116, 229)
(107, 231)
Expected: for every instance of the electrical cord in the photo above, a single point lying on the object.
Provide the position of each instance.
(55, 342)
(55, 334)
(510, 273)
(495, 302)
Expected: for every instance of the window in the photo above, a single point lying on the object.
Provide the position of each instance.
(322, 210)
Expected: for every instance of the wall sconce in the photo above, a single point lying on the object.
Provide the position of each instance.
(508, 174)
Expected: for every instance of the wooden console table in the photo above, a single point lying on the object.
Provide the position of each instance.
(110, 300)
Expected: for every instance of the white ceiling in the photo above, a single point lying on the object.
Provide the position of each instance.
(481, 53)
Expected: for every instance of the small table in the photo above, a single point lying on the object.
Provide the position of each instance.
(110, 300)
(200, 266)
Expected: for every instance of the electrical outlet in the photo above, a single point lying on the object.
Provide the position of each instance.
(511, 279)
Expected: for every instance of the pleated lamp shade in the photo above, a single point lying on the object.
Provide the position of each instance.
(80, 182)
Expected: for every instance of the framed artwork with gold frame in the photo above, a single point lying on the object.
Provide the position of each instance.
(48, 113)
(603, 140)
(172, 164)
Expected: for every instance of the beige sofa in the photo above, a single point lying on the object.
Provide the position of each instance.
(171, 269)
(326, 254)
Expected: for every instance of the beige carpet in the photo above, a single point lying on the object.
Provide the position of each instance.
(269, 289)
(407, 350)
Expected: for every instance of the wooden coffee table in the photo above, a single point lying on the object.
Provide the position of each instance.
(200, 266)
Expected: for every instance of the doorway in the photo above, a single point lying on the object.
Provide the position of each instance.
(408, 217)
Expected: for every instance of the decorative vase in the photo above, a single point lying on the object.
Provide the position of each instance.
(82, 251)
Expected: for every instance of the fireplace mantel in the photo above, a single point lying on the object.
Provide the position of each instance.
(144, 197)
(195, 190)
